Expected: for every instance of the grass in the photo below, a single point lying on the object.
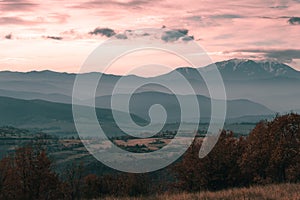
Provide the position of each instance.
(269, 192)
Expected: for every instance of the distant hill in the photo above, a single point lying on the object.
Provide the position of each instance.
(53, 97)
(140, 104)
(49, 116)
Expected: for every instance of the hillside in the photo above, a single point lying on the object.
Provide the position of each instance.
(48, 116)
(274, 192)
(140, 104)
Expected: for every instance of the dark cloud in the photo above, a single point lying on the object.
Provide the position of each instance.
(166, 35)
(145, 34)
(183, 31)
(133, 3)
(188, 38)
(227, 16)
(121, 36)
(194, 18)
(285, 55)
(103, 31)
(17, 5)
(176, 34)
(279, 7)
(8, 37)
(54, 37)
(127, 4)
(198, 18)
(294, 21)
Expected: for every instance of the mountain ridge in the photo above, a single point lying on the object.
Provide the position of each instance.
(220, 64)
(242, 78)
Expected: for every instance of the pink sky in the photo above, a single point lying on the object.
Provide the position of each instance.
(54, 35)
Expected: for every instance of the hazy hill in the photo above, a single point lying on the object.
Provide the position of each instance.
(49, 116)
(53, 97)
(269, 83)
(140, 104)
(266, 82)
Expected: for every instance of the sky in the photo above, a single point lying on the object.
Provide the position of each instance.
(59, 35)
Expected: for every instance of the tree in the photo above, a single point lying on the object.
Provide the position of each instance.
(218, 170)
(273, 151)
(254, 161)
(92, 186)
(74, 180)
(5, 172)
(29, 176)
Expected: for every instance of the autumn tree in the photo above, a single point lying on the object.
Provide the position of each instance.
(273, 151)
(219, 169)
(29, 176)
(92, 186)
(5, 174)
(74, 180)
(253, 163)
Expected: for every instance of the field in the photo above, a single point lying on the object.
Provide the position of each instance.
(269, 192)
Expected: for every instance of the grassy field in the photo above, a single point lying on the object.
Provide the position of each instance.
(270, 192)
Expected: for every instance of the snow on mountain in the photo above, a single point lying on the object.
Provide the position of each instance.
(249, 69)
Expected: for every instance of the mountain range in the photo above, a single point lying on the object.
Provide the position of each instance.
(252, 88)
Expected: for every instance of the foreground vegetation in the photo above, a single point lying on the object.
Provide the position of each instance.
(268, 192)
(269, 155)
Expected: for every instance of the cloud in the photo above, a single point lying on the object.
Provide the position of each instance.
(17, 5)
(207, 20)
(279, 7)
(194, 18)
(53, 18)
(15, 20)
(127, 4)
(188, 38)
(227, 16)
(103, 31)
(285, 55)
(8, 37)
(166, 35)
(132, 3)
(221, 16)
(54, 37)
(56, 18)
(121, 36)
(294, 21)
(176, 34)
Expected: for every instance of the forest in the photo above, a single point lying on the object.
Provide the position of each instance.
(270, 154)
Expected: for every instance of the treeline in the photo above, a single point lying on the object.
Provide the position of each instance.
(270, 154)
(28, 175)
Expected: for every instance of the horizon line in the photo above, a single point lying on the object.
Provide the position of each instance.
(176, 68)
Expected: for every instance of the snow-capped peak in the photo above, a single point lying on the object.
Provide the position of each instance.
(255, 68)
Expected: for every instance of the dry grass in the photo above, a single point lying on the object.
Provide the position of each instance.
(270, 192)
